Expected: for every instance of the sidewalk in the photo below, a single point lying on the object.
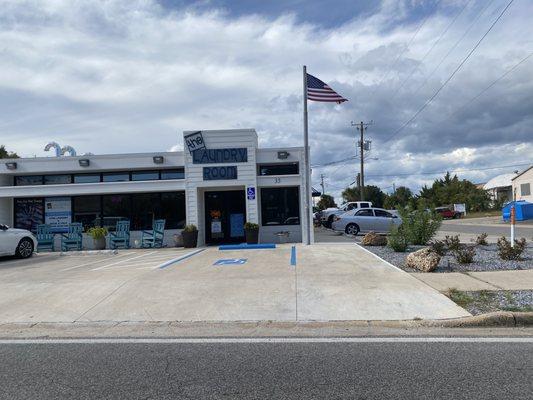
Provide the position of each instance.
(474, 281)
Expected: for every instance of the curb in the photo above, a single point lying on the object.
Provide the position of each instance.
(498, 318)
(87, 252)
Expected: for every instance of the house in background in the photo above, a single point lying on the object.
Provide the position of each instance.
(523, 184)
(500, 188)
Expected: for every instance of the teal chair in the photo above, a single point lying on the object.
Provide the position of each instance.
(121, 236)
(45, 238)
(154, 237)
(73, 239)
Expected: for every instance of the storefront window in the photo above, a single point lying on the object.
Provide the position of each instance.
(87, 178)
(116, 207)
(280, 206)
(173, 209)
(57, 179)
(145, 176)
(29, 213)
(173, 174)
(29, 180)
(116, 177)
(87, 210)
(145, 207)
(278, 169)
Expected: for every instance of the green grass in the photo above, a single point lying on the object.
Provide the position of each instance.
(485, 301)
(460, 298)
(481, 214)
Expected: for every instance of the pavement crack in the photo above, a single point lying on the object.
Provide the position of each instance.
(481, 280)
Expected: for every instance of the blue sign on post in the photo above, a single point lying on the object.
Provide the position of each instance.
(250, 192)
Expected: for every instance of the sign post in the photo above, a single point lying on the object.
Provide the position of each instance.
(513, 217)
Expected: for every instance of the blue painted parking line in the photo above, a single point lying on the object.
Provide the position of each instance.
(245, 246)
(231, 261)
(293, 255)
(178, 259)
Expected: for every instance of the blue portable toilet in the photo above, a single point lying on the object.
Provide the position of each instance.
(523, 210)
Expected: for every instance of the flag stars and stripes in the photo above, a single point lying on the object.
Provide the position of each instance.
(320, 91)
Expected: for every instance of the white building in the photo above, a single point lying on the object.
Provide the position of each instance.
(499, 188)
(523, 184)
(220, 181)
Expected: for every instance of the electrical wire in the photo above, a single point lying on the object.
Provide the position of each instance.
(419, 111)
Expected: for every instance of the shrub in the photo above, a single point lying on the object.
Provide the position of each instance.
(481, 240)
(420, 225)
(251, 226)
(465, 255)
(452, 242)
(397, 240)
(190, 228)
(439, 247)
(97, 232)
(506, 252)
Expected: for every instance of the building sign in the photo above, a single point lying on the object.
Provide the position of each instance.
(219, 173)
(219, 156)
(194, 141)
(57, 213)
(250, 193)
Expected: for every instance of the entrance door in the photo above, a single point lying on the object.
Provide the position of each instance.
(225, 215)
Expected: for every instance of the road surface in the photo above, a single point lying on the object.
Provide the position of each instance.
(372, 369)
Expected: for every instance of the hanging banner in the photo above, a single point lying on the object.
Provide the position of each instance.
(58, 213)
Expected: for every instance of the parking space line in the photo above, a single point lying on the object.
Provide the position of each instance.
(95, 262)
(293, 255)
(175, 260)
(121, 261)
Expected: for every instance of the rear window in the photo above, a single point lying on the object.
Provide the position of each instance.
(381, 213)
(364, 205)
(364, 213)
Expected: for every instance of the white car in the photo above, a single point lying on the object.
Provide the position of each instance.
(329, 214)
(16, 242)
(365, 220)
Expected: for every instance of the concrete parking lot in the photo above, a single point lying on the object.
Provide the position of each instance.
(327, 282)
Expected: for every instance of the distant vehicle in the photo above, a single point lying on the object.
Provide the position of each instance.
(448, 212)
(16, 242)
(327, 215)
(365, 220)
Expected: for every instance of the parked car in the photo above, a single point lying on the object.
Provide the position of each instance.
(448, 212)
(328, 214)
(18, 242)
(365, 220)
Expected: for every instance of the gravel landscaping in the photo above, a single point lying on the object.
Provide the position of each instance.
(486, 259)
(490, 301)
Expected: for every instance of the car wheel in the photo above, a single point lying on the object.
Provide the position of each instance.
(351, 229)
(25, 248)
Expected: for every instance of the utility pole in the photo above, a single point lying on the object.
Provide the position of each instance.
(362, 147)
(322, 183)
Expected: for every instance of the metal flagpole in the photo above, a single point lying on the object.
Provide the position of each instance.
(306, 164)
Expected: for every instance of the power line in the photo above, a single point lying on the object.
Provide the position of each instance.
(451, 76)
(430, 50)
(487, 5)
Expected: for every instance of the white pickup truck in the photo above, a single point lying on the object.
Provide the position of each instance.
(328, 214)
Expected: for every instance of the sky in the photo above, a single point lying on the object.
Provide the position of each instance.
(131, 75)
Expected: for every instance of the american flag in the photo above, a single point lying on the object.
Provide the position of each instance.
(319, 91)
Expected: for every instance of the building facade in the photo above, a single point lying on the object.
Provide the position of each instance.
(523, 185)
(221, 180)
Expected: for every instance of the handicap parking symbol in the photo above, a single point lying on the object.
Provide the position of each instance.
(230, 261)
(250, 192)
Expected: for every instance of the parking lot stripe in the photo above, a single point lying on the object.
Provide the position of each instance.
(95, 262)
(178, 259)
(122, 261)
(293, 255)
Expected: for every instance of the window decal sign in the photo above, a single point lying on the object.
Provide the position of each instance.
(58, 213)
(194, 141)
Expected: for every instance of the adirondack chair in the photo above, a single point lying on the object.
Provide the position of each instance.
(72, 240)
(121, 236)
(45, 238)
(154, 237)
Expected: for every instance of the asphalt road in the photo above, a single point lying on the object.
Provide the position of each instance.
(267, 370)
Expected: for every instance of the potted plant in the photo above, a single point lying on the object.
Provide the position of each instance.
(190, 236)
(252, 233)
(98, 234)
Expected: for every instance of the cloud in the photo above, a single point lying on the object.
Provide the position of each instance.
(126, 76)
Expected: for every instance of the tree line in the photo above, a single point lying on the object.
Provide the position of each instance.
(444, 191)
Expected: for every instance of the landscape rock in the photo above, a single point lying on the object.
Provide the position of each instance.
(425, 260)
(373, 239)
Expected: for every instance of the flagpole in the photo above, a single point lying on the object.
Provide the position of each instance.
(307, 185)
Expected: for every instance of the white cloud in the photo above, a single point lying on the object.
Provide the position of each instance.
(117, 76)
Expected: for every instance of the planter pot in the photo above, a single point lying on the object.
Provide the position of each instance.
(190, 239)
(178, 240)
(252, 236)
(99, 243)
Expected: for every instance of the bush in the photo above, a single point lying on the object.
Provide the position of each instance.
(439, 247)
(465, 255)
(481, 240)
(251, 226)
(452, 242)
(397, 240)
(506, 252)
(190, 228)
(97, 232)
(420, 225)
